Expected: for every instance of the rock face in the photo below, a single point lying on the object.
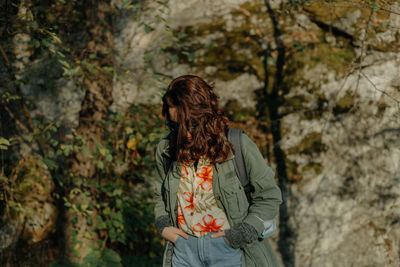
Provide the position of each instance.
(346, 208)
(202, 34)
(32, 209)
(339, 121)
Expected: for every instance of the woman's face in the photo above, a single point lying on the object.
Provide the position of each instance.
(173, 114)
(174, 117)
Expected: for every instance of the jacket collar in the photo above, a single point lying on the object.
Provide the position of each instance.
(166, 151)
(231, 156)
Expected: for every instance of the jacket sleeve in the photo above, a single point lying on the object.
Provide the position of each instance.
(159, 176)
(266, 196)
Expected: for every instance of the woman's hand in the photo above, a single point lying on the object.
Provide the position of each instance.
(239, 235)
(171, 233)
(219, 234)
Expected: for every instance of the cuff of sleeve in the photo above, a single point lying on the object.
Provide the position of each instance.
(232, 237)
(256, 223)
(241, 234)
(161, 222)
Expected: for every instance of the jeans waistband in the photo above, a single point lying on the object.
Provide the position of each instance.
(206, 235)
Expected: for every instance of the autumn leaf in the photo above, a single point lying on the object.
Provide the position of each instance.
(132, 143)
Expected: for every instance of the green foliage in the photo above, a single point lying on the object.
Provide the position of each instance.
(4, 143)
(120, 194)
(123, 195)
(96, 258)
(174, 48)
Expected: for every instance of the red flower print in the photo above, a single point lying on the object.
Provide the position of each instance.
(204, 177)
(184, 172)
(181, 219)
(210, 224)
(192, 200)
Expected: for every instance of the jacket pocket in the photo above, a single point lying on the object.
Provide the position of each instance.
(236, 200)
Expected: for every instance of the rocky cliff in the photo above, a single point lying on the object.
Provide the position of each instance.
(337, 104)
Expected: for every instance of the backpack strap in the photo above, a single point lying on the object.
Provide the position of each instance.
(235, 137)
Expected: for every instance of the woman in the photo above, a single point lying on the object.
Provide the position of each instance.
(201, 208)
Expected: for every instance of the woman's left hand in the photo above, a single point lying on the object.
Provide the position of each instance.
(219, 234)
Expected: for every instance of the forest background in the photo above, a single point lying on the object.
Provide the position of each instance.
(315, 83)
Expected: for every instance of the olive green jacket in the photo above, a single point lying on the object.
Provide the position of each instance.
(229, 195)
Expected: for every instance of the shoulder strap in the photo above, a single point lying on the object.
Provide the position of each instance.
(235, 137)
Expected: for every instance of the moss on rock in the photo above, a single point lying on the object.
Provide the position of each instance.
(296, 103)
(294, 173)
(32, 204)
(344, 104)
(233, 49)
(236, 112)
(311, 143)
(335, 58)
(313, 166)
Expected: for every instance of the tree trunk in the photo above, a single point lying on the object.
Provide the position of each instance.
(81, 237)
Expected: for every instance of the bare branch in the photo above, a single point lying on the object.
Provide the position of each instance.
(362, 52)
(330, 106)
(17, 121)
(379, 90)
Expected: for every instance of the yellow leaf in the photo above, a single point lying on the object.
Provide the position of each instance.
(88, 235)
(132, 144)
(55, 37)
(103, 151)
(128, 130)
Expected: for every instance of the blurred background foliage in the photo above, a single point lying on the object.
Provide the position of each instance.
(124, 160)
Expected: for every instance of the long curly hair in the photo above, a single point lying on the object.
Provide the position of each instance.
(198, 114)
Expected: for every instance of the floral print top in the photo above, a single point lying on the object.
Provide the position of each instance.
(198, 212)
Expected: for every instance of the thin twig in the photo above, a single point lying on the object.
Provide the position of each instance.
(360, 60)
(103, 246)
(379, 90)
(362, 52)
(330, 106)
(17, 121)
(5, 58)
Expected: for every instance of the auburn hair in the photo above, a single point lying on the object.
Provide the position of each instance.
(198, 114)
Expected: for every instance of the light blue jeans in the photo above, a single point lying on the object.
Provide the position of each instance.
(205, 251)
